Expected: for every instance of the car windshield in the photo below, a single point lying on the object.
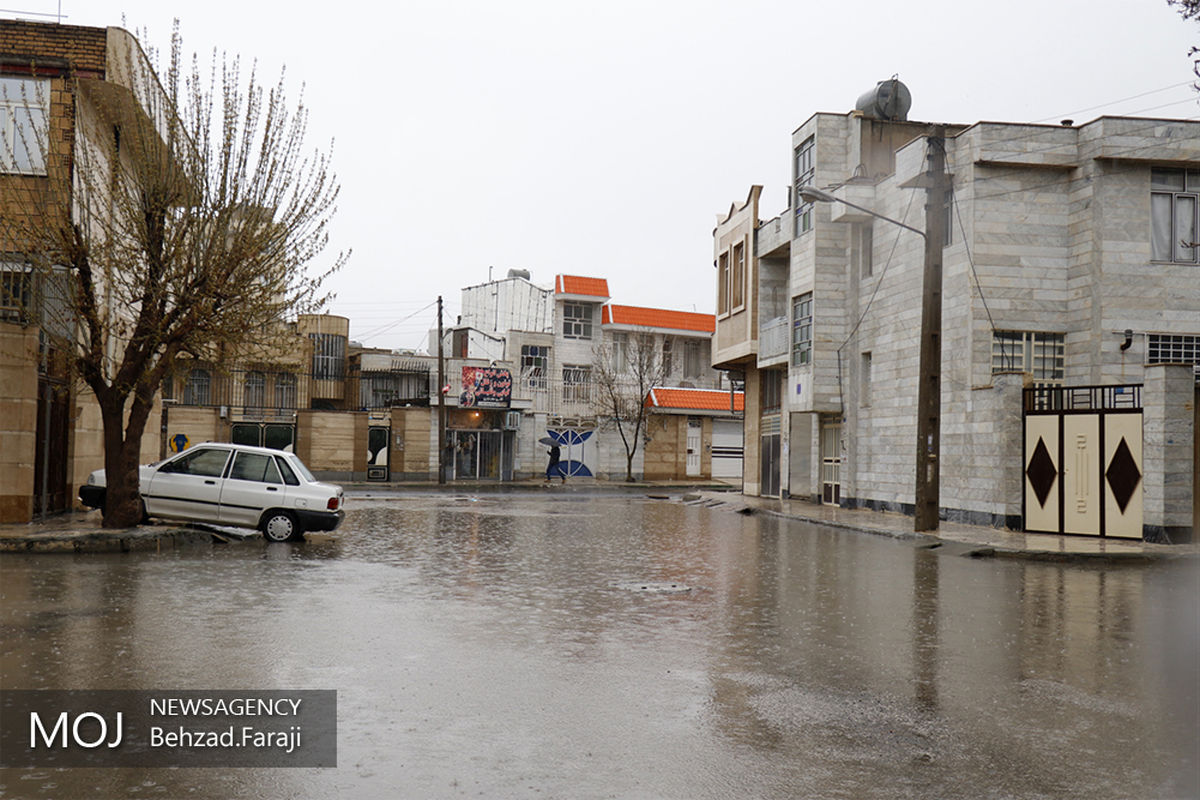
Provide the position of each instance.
(299, 467)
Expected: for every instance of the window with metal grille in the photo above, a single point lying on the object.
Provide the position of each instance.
(198, 389)
(255, 394)
(1040, 354)
(329, 356)
(577, 383)
(535, 361)
(285, 391)
(1174, 349)
(16, 294)
(771, 384)
(577, 320)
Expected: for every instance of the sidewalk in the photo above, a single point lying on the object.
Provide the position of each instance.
(80, 531)
(976, 541)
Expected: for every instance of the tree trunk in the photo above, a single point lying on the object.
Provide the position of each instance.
(122, 453)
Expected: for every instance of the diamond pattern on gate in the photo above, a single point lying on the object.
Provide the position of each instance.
(1041, 472)
(1123, 475)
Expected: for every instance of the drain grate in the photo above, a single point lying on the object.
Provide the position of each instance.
(653, 587)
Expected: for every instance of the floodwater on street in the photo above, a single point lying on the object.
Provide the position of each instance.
(572, 645)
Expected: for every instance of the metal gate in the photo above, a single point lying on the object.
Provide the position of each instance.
(831, 461)
(378, 438)
(694, 440)
(1083, 460)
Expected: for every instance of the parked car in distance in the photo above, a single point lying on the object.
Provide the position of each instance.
(234, 484)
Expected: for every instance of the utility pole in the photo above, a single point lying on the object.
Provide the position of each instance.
(441, 400)
(929, 389)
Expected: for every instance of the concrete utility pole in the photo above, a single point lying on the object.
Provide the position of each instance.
(929, 390)
(441, 394)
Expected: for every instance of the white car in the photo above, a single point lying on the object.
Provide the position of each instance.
(234, 484)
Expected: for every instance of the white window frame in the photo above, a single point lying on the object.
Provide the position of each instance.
(804, 168)
(535, 362)
(21, 99)
(577, 383)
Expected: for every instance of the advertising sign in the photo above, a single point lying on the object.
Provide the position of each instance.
(485, 387)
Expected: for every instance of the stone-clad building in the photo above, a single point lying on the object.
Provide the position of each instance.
(1070, 261)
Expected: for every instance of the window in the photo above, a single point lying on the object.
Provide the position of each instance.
(948, 217)
(535, 361)
(723, 283)
(577, 383)
(667, 345)
(739, 275)
(1162, 348)
(620, 352)
(864, 381)
(198, 389)
(205, 461)
(802, 322)
(16, 294)
(862, 243)
(285, 391)
(255, 467)
(24, 109)
(577, 320)
(772, 390)
(1040, 354)
(693, 364)
(805, 174)
(255, 394)
(1173, 194)
(329, 356)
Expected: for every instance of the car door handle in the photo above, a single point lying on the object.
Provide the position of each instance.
(210, 483)
(272, 489)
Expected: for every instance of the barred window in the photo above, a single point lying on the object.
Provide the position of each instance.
(285, 391)
(198, 389)
(535, 362)
(16, 294)
(1040, 354)
(329, 356)
(1176, 349)
(255, 393)
(577, 383)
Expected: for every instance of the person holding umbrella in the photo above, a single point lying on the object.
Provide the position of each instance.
(555, 465)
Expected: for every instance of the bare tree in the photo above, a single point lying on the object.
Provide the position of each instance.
(179, 219)
(624, 374)
(1190, 10)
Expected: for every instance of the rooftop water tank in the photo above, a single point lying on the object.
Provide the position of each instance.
(889, 100)
(519, 273)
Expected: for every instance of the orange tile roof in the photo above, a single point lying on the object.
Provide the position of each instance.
(588, 287)
(658, 318)
(694, 399)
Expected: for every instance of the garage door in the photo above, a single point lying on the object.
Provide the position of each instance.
(727, 448)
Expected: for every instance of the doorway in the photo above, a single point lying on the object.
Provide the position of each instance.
(831, 461)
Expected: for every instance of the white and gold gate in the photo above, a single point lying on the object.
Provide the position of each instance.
(1083, 460)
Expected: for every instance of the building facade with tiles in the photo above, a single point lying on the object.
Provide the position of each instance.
(1071, 261)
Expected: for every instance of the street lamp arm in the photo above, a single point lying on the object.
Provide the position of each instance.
(814, 195)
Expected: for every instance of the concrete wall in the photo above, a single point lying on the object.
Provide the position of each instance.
(1169, 452)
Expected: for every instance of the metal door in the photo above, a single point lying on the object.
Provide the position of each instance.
(1041, 473)
(1081, 474)
(693, 447)
(831, 462)
(727, 448)
(378, 438)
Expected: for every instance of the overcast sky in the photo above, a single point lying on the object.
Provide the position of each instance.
(603, 138)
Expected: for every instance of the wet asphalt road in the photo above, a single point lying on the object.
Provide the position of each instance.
(566, 645)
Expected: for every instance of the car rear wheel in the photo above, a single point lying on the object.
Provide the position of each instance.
(280, 526)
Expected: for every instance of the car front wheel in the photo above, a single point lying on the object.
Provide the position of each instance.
(280, 526)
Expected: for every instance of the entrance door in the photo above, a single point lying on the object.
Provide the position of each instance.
(770, 465)
(50, 460)
(831, 462)
(377, 452)
(1081, 474)
(727, 448)
(694, 430)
